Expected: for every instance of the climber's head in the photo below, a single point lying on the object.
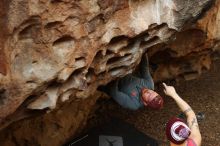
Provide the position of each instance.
(177, 131)
(151, 99)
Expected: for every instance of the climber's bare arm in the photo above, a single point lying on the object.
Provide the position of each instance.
(191, 117)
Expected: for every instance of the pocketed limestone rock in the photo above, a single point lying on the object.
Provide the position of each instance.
(54, 55)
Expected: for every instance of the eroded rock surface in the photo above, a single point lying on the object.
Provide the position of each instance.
(191, 51)
(54, 54)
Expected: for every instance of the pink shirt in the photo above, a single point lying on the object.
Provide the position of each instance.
(190, 142)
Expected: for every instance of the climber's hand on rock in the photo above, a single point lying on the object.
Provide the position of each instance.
(169, 90)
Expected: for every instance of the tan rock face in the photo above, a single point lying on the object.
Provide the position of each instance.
(191, 50)
(54, 54)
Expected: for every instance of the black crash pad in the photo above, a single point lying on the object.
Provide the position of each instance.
(114, 133)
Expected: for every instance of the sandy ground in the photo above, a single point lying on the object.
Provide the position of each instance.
(203, 94)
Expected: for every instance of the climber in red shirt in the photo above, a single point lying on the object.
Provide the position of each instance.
(178, 132)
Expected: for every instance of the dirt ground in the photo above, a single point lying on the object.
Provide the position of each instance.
(203, 94)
